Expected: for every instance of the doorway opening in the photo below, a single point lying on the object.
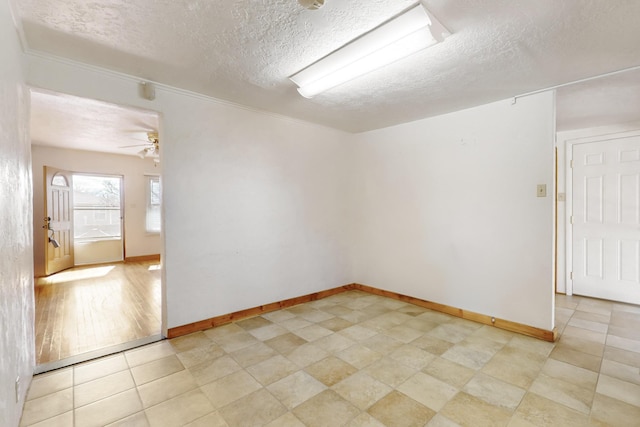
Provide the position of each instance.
(108, 296)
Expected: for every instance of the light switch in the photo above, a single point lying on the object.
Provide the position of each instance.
(562, 197)
(542, 190)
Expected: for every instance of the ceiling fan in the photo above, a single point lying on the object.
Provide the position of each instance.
(151, 148)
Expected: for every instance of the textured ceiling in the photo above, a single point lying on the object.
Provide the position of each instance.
(244, 50)
(83, 124)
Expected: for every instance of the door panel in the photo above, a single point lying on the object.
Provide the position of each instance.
(606, 219)
(58, 220)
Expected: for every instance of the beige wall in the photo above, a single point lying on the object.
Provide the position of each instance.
(17, 349)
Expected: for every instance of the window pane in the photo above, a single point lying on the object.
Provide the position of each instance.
(96, 207)
(154, 198)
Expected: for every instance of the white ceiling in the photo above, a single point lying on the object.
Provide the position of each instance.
(244, 50)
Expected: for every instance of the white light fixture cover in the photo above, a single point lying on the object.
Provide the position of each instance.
(397, 38)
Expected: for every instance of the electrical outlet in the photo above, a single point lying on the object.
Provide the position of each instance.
(562, 197)
(17, 389)
(542, 190)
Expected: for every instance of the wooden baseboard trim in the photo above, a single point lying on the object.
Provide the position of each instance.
(507, 325)
(142, 258)
(252, 312)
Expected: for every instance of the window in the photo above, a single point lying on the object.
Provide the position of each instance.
(96, 207)
(153, 204)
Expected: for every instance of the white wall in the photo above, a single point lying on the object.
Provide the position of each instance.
(17, 342)
(256, 206)
(137, 241)
(448, 209)
(562, 137)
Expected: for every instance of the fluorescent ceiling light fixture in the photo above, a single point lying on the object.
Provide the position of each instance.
(401, 36)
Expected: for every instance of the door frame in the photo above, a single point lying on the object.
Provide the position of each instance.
(592, 137)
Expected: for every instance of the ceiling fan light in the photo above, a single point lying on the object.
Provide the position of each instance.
(395, 39)
(311, 4)
(142, 153)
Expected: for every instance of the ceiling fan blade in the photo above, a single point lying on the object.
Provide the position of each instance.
(136, 145)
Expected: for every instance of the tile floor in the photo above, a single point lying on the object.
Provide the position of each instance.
(356, 359)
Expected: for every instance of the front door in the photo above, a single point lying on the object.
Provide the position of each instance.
(606, 218)
(58, 221)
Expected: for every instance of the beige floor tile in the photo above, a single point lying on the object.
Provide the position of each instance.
(316, 316)
(581, 377)
(382, 344)
(165, 388)
(287, 420)
(469, 411)
(577, 358)
(581, 345)
(420, 324)
(427, 390)
(237, 341)
(359, 356)
(98, 389)
(412, 356)
(209, 371)
(627, 357)
(389, 371)
(515, 366)
(312, 332)
(560, 391)
(449, 332)
(307, 354)
(358, 333)
(50, 382)
(361, 390)
(62, 420)
(253, 354)
(364, 420)
(197, 355)
(213, 419)
(592, 317)
(267, 332)
(494, 334)
(99, 368)
(441, 421)
(279, 316)
(326, 409)
(136, 420)
(254, 323)
(286, 343)
(532, 345)
(403, 333)
(108, 410)
(334, 343)
(230, 388)
(620, 371)
(356, 316)
(398, 410)
(222, 331)
(613, 412)
(432, 345)
(157, 369)
(295, 323)
(257, 409)
(272, 369)
(337, 310)
(331, 370)
(471, 355)
(149, 353)
(618, 389)
(296, 388)
(623, 343)
(188, 342)
(449, 372)
(588, 324)
(180, 410)
(335, 324)
(543, 412)
(47, 406)
(630, 332)
(494, 391)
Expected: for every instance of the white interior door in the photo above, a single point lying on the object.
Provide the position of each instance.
(606, 218)
(58, 222)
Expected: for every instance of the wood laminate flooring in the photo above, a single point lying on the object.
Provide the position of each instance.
(92, 307)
